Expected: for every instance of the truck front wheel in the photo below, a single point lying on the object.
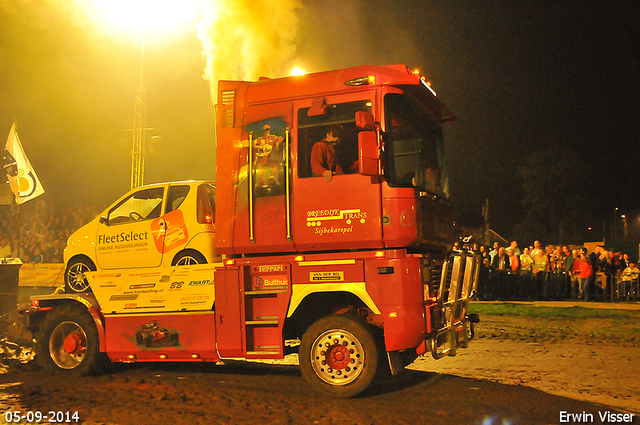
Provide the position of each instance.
(339, 356)
(68, 342)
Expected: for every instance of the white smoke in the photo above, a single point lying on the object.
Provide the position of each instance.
(246, 39)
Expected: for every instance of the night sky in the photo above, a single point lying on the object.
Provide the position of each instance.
(519, 76)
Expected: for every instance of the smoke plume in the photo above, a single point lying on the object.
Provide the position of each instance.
(246, 39)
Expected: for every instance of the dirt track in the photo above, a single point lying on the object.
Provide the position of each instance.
(495, 381)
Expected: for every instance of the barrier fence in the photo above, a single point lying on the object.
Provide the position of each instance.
(559, 286)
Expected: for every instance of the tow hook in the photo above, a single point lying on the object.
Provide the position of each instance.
(472, 318)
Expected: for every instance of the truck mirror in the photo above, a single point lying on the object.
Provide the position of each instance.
(364, 120)
(103, 220)
(368, 154)
(318, 107)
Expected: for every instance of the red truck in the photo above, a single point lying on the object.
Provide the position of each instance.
(332, 223)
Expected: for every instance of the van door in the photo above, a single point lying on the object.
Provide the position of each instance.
(126, 238)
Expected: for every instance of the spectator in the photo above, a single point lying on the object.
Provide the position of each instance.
(525, 274)
(5, 248)
(494, 251)
(514, 247)
(514, 260)
(537, 249)
(539, 269)
(37, 256)
(586, 271)
(568, 267)
(628, 280)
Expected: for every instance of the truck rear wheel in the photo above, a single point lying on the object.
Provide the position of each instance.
(339, 356)
(68, 342)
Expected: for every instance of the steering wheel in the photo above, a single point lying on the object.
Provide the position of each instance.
(135, 216)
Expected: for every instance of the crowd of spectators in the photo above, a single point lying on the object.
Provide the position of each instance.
(555, 273)
(39, 235)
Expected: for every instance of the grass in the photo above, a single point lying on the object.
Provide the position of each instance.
(509, 309)
(538, 324)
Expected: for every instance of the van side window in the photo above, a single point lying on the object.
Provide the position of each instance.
(176, 196)
(206, 207)
(313, 129)
(145, 204)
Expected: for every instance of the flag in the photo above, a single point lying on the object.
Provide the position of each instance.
(22, 177)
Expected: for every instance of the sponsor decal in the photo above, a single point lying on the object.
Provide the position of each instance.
(123, 240)
(279, 280)
(201, 282)
(174, 236)
(142, 286)
(176, 286)
(274, 268)
(123, 297)
(195, 299)
(335, 221)
(108, 285)
(326, 276)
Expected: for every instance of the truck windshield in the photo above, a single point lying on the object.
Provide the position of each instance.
(414, 145)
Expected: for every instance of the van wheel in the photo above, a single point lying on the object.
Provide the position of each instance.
(339, 356)
(188, 258)
(74, 275)
(68, 342)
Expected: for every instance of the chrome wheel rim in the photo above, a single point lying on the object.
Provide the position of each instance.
(187, 261)
(337, 357)
(76, 277)
(68, 345)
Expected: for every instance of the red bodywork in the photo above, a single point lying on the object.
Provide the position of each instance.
(285, 235)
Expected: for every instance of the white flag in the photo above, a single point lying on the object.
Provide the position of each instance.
(22, 178)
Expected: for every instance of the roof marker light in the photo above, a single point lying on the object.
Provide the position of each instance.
(361, 81)
(427, 84)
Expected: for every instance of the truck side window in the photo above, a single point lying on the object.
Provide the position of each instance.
(144, 204)
(314, 129)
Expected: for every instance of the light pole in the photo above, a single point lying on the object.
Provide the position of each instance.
(139, 125)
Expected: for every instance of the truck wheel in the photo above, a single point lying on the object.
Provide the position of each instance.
(188, 258)
(339, 356)
(74, 278)
(68, 342)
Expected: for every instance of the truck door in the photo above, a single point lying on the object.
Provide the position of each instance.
(262, 212)
(343, 213)
(126, 237)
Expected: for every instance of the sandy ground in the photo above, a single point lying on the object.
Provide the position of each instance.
(508, 363)
(600, 374)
